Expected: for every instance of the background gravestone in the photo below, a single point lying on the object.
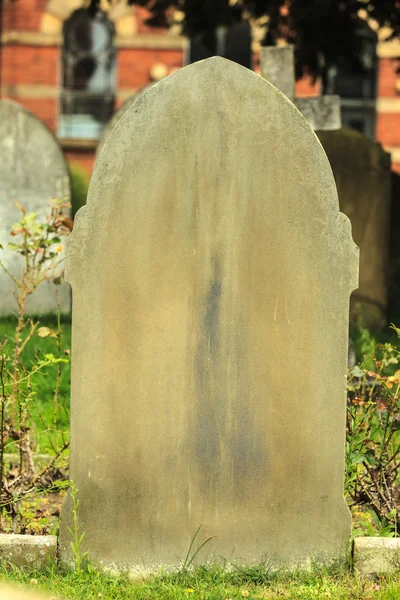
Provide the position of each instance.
(210, 330)
(362, 171)
(33, 171)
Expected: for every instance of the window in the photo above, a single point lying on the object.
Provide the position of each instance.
(357, 86)
(88, 75)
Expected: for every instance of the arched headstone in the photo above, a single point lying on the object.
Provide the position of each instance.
(211, 273)
(33, 170)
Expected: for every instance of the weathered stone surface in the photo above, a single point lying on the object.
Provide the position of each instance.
(117, 115)
(277, 67)
(362, 171)
(33, 171)
(32, 551)
(322, 112)
(376, 556)
(211, 274)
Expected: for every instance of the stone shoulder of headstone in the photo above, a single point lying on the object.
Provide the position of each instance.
(211, 274)
(33, 170)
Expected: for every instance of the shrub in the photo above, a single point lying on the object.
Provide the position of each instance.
(373, 437)
(79, 180)
(40, 245)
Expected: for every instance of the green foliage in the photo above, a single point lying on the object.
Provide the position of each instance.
(373, 438)
(80, 557)
(204, 584)
(192, 554)
(79, 180)
(39, 243)
(44, 382)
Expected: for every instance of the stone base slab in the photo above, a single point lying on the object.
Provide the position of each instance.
(32, 551)
(376, 555)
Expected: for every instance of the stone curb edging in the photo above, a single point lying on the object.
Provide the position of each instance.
(33, 551)
(374, 556)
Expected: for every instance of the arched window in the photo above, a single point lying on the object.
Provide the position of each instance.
(357, 86)
(88, 75)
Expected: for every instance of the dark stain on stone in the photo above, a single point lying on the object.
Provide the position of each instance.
(208, 385)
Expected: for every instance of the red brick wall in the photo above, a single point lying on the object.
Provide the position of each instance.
(84, 158)
(134, 65)
(23, 18)
(388, 120)
(387, 78)
(307, 87)
(388, 129)
(22, 64)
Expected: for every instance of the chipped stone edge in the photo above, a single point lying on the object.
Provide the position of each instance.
(374, 556)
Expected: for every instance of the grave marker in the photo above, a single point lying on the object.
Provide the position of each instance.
(32, 171)
(277, 67)
(211, 274)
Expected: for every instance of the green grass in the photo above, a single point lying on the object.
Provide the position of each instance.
(44, 383)
(205, 584)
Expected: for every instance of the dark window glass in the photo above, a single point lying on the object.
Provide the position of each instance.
(88, 75)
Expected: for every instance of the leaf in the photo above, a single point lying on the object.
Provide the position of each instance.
(44, 332)
(357, 372)
(30, 218)
(13, 247)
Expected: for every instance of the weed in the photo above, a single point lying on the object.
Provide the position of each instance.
(80, 558)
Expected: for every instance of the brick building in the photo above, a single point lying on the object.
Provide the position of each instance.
(73, 81)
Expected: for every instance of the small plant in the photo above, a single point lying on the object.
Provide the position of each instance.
(191, 556)
(80, 558)
(39, 243)
(373, 439)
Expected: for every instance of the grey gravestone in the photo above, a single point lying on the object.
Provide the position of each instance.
(211, 274)
(277, 67)
(32, 171)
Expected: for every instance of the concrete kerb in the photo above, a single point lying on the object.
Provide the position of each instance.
(28, 551)
(374, 556)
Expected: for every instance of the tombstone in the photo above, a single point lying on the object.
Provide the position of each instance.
(211, 273)
(32, 171)
(362, 171)
(362, 174)
(277, 67)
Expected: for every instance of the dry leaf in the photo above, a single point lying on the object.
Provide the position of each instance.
(44, 332)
